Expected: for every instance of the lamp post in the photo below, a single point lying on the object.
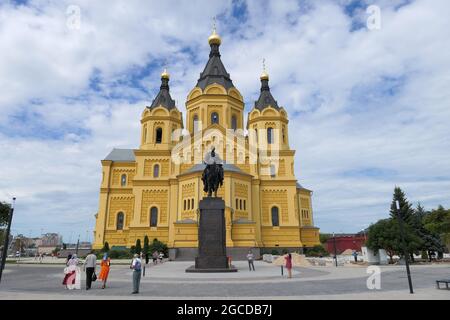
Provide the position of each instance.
(78, 243)
(405, 251)
(335, 251)
(5, 245)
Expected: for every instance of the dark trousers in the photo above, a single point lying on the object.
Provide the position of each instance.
(251, 265)
(89, 273)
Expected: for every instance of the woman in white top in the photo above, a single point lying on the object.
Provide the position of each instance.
(72, 278)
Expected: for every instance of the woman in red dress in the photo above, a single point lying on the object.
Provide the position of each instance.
(288, 259)
(104, 271)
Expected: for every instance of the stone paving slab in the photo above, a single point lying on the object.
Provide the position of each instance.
(169, 281)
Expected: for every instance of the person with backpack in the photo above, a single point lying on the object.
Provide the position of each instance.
(136, 265)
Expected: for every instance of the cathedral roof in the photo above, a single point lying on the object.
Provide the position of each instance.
(214, 71)
(121, 155)
(299, 186)
(163, 97)
(265, 97)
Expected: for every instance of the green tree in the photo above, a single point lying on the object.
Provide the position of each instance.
(138, 247)
(64, 246)
(323, 237)
(438, 223)
(431, 241)
(105, 247)
(410, 225)
(146, 245)
(384, 235)
(4, 213)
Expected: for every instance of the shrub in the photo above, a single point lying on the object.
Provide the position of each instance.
(159, 246)
(105, 247)
(317, 251)
(424, 255)
(120, 254)
(275, 252)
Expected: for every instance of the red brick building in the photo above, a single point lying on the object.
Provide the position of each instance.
(344, 242)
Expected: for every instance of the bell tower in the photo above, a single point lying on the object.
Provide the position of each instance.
(160, 119)
(214, 101)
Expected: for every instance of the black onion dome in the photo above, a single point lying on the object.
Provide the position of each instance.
(265, 97)
(163, 97)
(214, 71)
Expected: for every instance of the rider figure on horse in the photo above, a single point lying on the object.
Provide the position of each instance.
(212, 176)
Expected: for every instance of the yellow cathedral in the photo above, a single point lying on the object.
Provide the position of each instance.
(154, 190)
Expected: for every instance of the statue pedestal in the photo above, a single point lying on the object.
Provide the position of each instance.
(212, 251)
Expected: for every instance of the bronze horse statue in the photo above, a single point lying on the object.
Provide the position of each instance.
(212, 176)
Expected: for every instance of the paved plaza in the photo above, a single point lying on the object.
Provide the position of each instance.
(169, 281)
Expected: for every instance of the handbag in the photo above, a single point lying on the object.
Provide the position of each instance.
(94, 277)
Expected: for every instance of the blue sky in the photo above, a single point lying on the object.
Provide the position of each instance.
(369, 109)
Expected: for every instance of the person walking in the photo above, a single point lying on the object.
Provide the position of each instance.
(136, 265)
(250, 259)
(288, 259)
(355, 255)
(155, 256)
(89, 267)
(104, 271)
(72, 278)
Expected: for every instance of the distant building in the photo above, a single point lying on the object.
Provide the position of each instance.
(344, 242)
(51, 239)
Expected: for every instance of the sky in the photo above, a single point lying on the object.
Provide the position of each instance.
(369, 108)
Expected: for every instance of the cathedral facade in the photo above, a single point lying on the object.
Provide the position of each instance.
(154, 190)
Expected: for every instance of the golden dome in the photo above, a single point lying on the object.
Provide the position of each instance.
(165, 74)
(264, 76)
(214, 38)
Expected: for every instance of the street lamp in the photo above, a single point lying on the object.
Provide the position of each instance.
(335, 251)
(78, 243)
(5, 245)
(405, 251)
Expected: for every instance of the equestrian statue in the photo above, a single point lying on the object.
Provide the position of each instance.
(212, 176)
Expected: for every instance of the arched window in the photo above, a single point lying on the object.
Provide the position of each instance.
(284, 136)
(145, 134)
(184, 205)
(195, 123)
(119, 221)
(156, 171)
(275, 217)
(233, 122)
(123, 180)
(240, 204)
(158, 135)
(269, 135)
(214, 117)
(153, 217)
(192, 203)
(244, 205)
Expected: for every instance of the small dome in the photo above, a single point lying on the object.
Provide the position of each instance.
(264, 76)
(165, 74)
(214, 38)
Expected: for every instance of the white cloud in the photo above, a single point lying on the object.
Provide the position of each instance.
(358, 100)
